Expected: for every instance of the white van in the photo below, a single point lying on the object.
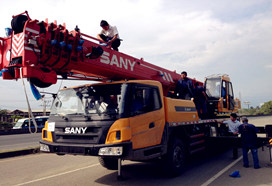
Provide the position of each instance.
(23, 123)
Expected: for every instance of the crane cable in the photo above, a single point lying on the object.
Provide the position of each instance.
(30, 114)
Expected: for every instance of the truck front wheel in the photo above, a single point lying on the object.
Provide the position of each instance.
(109, 163)
(174, 160)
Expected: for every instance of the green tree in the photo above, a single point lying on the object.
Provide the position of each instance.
(16, 117)
(3, 112)
(4, 125)
(266, 108)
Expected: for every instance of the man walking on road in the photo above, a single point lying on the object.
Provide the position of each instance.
(249, 141)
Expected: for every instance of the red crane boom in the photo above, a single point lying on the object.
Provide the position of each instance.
(45, 50)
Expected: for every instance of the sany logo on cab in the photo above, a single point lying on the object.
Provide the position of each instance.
(75, 130)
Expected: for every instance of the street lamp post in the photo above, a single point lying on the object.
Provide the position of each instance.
(247, 103)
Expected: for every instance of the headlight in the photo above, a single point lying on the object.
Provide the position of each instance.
(110, 151)
(44, 148)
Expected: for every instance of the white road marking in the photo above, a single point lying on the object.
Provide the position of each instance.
(52, 176)
(221, 172)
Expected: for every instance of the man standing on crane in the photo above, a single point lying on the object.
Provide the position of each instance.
(200, 100)
(184, 87)
(110, 35)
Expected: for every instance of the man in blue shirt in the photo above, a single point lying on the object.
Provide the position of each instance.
(249, 141)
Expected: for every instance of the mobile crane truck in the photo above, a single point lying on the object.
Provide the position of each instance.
(128, 115)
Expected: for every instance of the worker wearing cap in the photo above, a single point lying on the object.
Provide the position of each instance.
(184, 87)
(110, 35)
(249, 141)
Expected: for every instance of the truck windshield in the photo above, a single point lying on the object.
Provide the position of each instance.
(103, 99)
(213, 87)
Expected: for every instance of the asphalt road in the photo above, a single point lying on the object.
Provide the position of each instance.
(261, 120)
(50, 169)
(19, 141)
(206, 169)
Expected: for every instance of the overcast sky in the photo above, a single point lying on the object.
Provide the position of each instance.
(202, 37)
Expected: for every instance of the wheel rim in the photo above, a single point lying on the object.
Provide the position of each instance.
(178, 157)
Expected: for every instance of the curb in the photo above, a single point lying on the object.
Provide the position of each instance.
(19, 152)
(17, 131)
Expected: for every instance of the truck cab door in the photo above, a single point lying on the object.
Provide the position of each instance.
(147, 116)
(224, 94)
(231, 101)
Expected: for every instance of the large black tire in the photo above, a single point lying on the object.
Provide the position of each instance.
(174, 160)
(109, 163)
(18, 23)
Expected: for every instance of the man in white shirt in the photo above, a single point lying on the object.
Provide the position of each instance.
(233, 124)
(110, 35)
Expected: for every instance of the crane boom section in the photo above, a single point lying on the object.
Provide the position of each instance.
(45, 50)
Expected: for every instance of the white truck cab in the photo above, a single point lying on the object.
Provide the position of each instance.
(23, 123)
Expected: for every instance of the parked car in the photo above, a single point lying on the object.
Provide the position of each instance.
(23, 123)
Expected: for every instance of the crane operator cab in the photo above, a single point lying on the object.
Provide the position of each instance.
(221, 101)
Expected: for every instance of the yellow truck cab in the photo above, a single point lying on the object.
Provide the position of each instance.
(125, 119)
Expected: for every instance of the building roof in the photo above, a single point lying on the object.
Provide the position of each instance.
(26, 110)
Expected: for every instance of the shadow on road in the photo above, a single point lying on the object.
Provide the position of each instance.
(138, 173)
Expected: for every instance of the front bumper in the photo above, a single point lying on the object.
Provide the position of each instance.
(82, 149)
